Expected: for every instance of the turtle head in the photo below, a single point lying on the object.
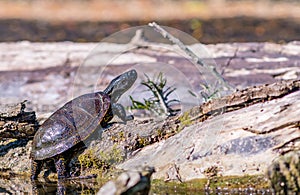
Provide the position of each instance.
(120, 85)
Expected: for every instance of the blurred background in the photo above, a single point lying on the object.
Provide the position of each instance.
(209, 21)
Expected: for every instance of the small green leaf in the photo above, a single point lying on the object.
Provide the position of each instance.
(158, 103)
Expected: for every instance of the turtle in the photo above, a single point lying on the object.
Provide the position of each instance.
(65, 131)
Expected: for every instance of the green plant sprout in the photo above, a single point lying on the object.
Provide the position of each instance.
(207, 93)
(158, 103)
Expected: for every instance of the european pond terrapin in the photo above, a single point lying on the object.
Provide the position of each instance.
(69, 126)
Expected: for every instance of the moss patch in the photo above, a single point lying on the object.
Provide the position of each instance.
(185, 119)
(93, 162)
(257, 182)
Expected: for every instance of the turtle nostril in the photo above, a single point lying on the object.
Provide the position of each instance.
(133, 73)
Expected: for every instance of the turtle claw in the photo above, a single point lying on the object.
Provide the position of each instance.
(129, 118)
(35, 169)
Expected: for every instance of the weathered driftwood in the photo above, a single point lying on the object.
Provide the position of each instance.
(240, 135)
(17, 123)
(244, 98)
(235, 101)
(132, 140)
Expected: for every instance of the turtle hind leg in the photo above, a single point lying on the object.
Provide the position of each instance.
(61, 168)
(36, 167)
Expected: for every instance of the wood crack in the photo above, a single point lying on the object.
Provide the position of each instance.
(243, 98)
(294, 124)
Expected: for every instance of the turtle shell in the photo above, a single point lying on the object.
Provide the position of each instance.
(69, 125)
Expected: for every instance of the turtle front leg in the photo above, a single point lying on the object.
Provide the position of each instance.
(60, 165)
(119, 110)
(36, 167)
(61, 188)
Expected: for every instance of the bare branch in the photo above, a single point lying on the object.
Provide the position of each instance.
(190, 53)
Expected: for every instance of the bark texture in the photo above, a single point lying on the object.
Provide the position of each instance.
(17, 123)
